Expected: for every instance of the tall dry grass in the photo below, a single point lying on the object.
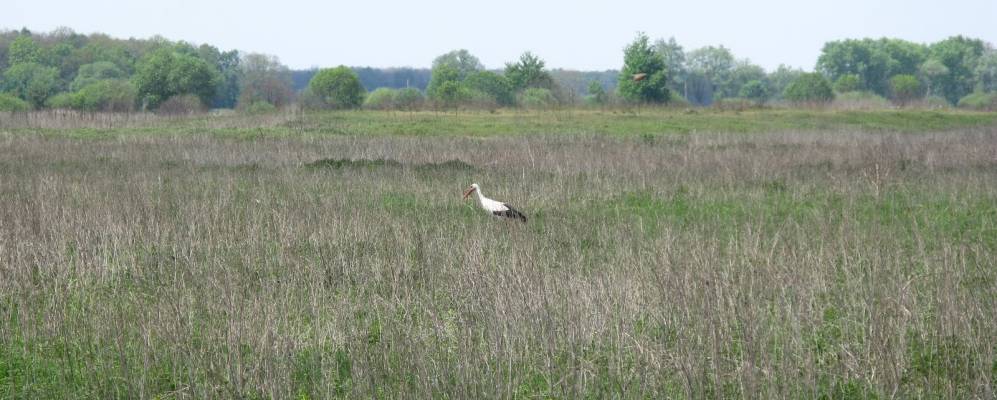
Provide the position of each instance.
(787, 265)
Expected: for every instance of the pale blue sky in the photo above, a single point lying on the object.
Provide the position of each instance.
(584, 35)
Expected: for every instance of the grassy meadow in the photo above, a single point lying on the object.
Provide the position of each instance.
(668, 254)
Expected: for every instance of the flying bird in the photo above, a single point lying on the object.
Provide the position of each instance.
(639, 77)
(496, 208)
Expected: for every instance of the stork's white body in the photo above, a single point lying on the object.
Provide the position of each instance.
(489, 205)
(497, 209)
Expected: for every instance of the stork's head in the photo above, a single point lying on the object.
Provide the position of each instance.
(474, 187)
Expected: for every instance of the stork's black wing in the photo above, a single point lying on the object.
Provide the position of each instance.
(510, 213)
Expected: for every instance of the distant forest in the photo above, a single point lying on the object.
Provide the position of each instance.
(399, 78)
(95, 72)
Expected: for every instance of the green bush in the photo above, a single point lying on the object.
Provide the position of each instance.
(481, 100)
(979, 101)
(107, 95)
(496, 86)
(848, 83)
(755, 91)
(409, 99)
(596, 94)
(380, 99)
(12, 103)
(185, 104)
(809, 88)
(450, 94)
(339, 88)
(861, 100)
(64, 100)
(905, 88)
(98, 71)
(31, 82)
(444, 86)
(537, 98)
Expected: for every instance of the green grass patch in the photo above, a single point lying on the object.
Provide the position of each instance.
(647, 122)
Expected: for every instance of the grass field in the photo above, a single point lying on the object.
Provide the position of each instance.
(763, 254)
(611, 122)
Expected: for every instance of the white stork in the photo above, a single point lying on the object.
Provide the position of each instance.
(496, 208)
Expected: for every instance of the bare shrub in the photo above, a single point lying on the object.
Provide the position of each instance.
(187, 104)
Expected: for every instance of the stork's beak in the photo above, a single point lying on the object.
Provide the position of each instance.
(468, 192)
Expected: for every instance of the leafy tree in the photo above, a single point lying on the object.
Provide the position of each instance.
(4, 48)
(94, 72)
(640, 58)
(10, 103)
(959, 54)
(755, 91)
(108, 95)
(711, 71)
(848, 83)
(56, 56)
(264, 79)
(460, 60)
(810, 88)
(742, 73)
(102, 48)
(450, 94)
(23, 50)
(986, 72)
(674, 56)
(408, 99)
(498, 87)
(166, 73)
(528, 72)
(903, 57)
(596, 93)
(856, 57)
(715, 62)
(931, 71)
(443, 75)
(873, 61)
(905, 88)
(186, 48)
(780, 79)
(339, 87)
(31, 82)
(227, 65)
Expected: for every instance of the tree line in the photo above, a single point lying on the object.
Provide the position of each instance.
(948, 71)
(64, 69)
